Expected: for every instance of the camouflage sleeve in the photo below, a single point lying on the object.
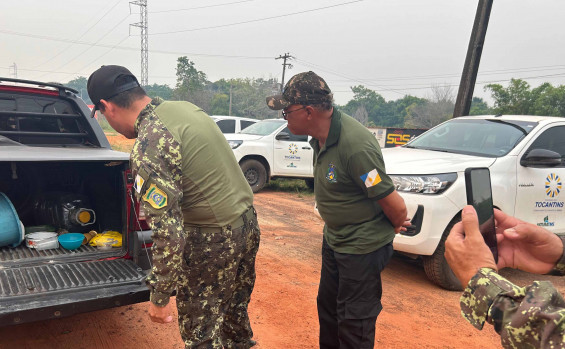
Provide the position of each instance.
(528, 317)
(157, 159)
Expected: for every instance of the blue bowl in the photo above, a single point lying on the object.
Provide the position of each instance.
(71, 241)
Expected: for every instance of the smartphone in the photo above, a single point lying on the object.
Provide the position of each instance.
(479, 194)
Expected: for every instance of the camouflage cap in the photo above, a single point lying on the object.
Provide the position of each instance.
(304, 88)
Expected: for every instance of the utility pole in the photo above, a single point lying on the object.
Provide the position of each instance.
(230, 100)
(144, 39)
(474, 51)
(14, 70)
(285, 64)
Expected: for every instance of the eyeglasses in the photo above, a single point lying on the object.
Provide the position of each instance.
(285, 113)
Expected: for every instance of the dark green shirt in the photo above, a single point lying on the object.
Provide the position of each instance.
(349, 178)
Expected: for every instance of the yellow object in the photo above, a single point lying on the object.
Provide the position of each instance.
(107, 237)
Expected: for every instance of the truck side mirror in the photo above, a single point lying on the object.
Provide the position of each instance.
(541, 158)
(282, 135)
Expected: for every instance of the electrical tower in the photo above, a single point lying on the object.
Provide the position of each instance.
(144, 39)
(14, 70)
(285, 64)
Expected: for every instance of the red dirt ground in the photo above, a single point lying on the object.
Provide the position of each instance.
(417, 314)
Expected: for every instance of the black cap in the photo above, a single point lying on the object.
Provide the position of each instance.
(102, 84)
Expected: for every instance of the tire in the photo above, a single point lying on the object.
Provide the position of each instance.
(255, 174)
(436, 267)
(309, 183)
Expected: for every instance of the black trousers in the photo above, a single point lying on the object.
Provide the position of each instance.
(349, 297)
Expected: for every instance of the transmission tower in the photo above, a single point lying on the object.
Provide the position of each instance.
(14, 70)
(144, 39)
(285, 64)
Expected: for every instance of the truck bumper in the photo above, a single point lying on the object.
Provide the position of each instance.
(438, 211)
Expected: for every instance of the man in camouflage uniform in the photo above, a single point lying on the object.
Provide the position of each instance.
(525, 317)
(361, 209)
(199, 205)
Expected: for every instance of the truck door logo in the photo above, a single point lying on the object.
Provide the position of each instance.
(292, 148)
(552, 185)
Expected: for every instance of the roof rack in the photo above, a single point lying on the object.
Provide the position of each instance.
(60, 87)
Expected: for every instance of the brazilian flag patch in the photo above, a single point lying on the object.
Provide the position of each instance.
(155, 197)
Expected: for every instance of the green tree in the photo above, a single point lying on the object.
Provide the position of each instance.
(156, 90)
(394, 113)
(550, 101)
(479, 107)
(79, 84)
(364, 101)
(514, 99)
(189, 80)
(220, 104)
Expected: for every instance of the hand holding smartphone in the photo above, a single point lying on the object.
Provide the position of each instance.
(479, 194)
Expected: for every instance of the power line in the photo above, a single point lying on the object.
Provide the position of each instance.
(83, 34)
(200, 7)
(255, 20)
(478, 82)
(312, 65)
(105, 53)
(490, 72)
(43, 37)
(95, 44)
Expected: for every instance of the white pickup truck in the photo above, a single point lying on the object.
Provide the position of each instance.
(525, 156)
(267, 150)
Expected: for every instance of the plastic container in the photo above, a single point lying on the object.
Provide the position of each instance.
(11, 229)
(42, 240)
(71, 241)
(104, 245)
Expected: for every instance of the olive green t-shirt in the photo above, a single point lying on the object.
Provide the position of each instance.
(349, 178)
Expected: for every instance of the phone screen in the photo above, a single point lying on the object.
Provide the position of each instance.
(479, 194)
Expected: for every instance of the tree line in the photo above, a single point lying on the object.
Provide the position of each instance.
(246, 97)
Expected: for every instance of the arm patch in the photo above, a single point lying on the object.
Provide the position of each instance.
(156, 197)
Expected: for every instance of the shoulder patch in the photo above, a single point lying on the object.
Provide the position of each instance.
(371, 178)
(155, 197)
(138, 183)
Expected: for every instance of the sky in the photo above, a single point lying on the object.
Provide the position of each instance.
(394, 47)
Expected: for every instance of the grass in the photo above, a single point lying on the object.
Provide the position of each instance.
(297, 186)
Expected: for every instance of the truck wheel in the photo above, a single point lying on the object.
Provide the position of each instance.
(436, 267)
(255, 174)
(309, 183)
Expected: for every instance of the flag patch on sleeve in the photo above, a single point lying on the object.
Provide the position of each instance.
(371, 178)
(138, 183)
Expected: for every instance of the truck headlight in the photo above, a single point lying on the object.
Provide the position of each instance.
(424, 184)
(234, 144)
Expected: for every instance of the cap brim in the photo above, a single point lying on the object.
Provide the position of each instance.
(93, 112)
(277, 102)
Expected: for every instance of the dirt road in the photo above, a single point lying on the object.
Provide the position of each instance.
(416, 313)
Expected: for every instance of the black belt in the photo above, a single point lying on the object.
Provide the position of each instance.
(238, 223)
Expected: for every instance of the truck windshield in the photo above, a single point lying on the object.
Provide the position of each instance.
(263, 128)
(480, 137)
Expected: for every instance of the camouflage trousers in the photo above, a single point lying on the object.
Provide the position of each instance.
(215, 289)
